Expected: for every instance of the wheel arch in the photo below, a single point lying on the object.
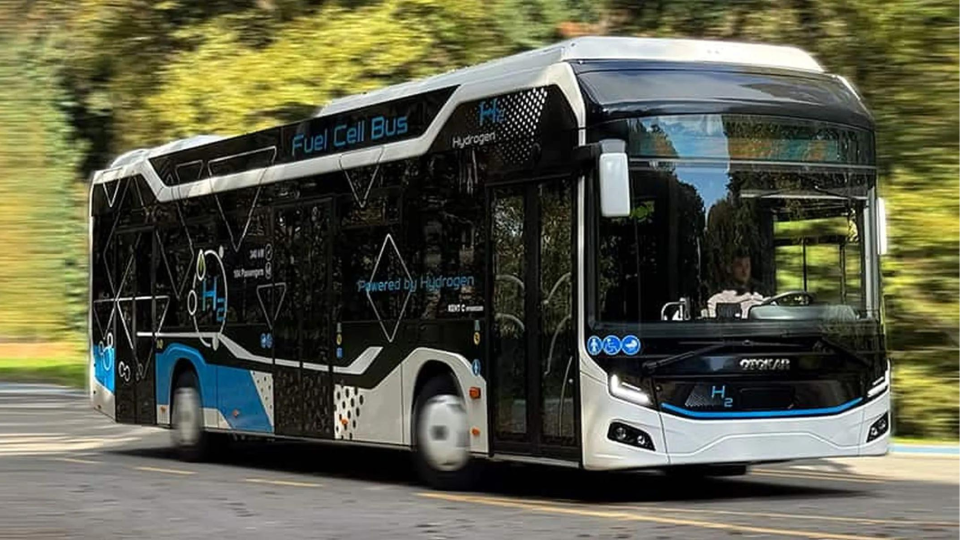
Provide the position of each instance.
(425, 363)
(170, 364)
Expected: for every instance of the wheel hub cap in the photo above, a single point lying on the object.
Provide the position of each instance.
(443, 433)
(186, 417)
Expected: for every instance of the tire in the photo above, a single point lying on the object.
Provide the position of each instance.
(442, 438)
(190, 441)
(706, 471)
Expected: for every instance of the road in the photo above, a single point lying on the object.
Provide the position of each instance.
(68, 472)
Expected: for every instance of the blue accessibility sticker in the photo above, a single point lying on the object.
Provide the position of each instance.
(611, 345)
(631, 345)
(594, 345)
(476, 366)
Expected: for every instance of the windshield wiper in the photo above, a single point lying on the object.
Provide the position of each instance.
(847, 351)
(650, 367)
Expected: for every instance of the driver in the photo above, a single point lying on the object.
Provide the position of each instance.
(740, 289)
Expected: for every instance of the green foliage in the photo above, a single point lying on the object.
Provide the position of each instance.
(42, 263)
(919, 391)
(69, 371)
(333, 52)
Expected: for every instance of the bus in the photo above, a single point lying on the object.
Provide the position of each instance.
(609, 254)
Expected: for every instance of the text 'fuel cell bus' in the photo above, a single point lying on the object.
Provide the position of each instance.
(610, 253)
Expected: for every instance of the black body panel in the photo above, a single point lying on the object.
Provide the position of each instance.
(307, 274)
(393, 121)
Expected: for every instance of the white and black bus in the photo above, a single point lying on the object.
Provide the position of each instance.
(611, 253)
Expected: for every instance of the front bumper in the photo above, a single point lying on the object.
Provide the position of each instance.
(685, 441)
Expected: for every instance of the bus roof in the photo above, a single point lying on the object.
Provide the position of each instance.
(597, 48)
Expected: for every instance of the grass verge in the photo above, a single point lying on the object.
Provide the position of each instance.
(70, 371)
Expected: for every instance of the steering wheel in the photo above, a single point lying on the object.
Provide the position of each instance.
(775, 300)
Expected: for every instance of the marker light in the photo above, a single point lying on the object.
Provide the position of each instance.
(880, 384)
(628, 392)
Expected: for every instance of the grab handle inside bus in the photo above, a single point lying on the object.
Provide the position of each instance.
(614, 173)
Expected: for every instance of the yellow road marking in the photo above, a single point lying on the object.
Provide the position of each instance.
(774, 515)
(815, 477)
(76, 460)
(629, 516)
(280, 482)
(168, 471)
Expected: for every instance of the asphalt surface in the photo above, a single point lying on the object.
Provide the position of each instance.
(68, 472)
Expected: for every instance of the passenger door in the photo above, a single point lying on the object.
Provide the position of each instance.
(302, 333)
(531, 323)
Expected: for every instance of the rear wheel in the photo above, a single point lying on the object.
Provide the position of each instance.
(188, 437)
(441, 437)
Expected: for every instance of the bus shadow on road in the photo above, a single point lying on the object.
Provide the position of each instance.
(319, 461)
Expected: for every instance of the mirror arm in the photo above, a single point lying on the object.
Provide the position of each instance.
(587, 154)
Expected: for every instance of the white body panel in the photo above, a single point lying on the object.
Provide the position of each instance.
(102, 399)
(598, 410)
(373, 418)
(719, 441)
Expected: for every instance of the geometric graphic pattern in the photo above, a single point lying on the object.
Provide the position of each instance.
(358, 178)
(278, 291)
(385, 299)
(349, 402)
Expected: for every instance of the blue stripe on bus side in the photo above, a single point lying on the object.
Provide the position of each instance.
(763, 414)
(226, 389)
(239, 393)
(206, 374)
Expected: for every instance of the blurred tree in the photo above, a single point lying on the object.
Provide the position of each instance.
(42, 263)
(228, 86)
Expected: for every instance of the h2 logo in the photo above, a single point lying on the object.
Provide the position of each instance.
(721, 392)
(490, 112)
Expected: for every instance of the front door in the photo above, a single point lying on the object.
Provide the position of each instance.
(534, 368)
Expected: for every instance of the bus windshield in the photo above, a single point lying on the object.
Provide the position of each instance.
(737, 219)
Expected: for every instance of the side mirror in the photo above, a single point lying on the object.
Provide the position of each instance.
(881, 226)
(614, 173)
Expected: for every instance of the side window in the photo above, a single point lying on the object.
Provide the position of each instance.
(445, 225)
(427, 265)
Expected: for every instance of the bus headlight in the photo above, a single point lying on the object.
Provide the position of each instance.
(629, 392)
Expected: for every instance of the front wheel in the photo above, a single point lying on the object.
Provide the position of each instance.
(442, 438)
